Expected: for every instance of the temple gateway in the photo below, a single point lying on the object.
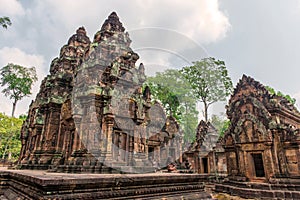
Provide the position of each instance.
(92, 113)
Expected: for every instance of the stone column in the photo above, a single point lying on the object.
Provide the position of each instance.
(127, 149)
(130, 148)
(115, 145)
(275, 152)
(268, 161)
(242, 161)
(38, 132)
(76, 141)
(109, 121)
(156, 154)
(144, 139)
(122, 148)
(298, 156)
(60, 137)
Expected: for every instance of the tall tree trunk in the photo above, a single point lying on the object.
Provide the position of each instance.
(4, 152)
(14, 108)
(205, 111)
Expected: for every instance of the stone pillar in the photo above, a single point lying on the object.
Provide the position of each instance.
(268, 161)
(122, 148)
(156, 154)
(60, 137)
(241, 158)
(130, 148)
(198, 162)
(76, 141)
(275, 152)
(115, 145)
(136, 139)
(144, 135)
(127, 149)
(298, 156)
(38, 132)
(109, 121)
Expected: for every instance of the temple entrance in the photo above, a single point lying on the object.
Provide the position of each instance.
(258, 165)
(150, 152)
(205, 165)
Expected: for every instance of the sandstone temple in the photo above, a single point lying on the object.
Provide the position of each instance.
(92, 113)
(262, 144)
(207, 154)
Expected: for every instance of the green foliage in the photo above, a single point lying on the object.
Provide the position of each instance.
(10, 143)
(217, 122)
(23, 117)
(171, 89)
(271, 90)
(5, 22)
(225, 127)
(17, 82)
(220, 124)
(209, 81)
(288, 97)
(189, 122)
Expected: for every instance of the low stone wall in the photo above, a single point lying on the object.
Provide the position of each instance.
(28, 184)
(280, 189)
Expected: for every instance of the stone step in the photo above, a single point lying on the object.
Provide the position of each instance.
(257, 193)
(32, 184)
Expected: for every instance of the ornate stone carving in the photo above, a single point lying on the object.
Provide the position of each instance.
(263, 134)
(91, 113)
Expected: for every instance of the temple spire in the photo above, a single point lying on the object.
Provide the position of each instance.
(112, 23)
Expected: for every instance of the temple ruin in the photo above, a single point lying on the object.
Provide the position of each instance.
(92, 113)
(206, 154)
(262, 144)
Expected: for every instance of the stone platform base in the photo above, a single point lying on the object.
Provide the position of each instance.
(32, 184)
(280, 189)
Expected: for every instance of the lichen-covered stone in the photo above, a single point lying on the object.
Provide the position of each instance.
(263, 139)
(91, 114)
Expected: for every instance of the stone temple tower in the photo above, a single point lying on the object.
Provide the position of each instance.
(92, 113)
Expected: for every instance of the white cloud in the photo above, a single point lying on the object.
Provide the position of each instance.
(11, 8)
(17, 56)
(183, 21)
(201, 20)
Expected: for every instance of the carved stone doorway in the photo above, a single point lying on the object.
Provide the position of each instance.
(258, 165)
(151, 153)
(205, 165)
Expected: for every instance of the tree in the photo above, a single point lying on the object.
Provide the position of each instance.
(171, 89)
(5, 22)
(220, 124)
(209, 81)
(10, 143)
(17, 82)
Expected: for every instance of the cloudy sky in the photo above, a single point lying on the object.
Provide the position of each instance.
(257, 38)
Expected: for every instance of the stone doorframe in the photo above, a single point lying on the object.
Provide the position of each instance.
(252, 170)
